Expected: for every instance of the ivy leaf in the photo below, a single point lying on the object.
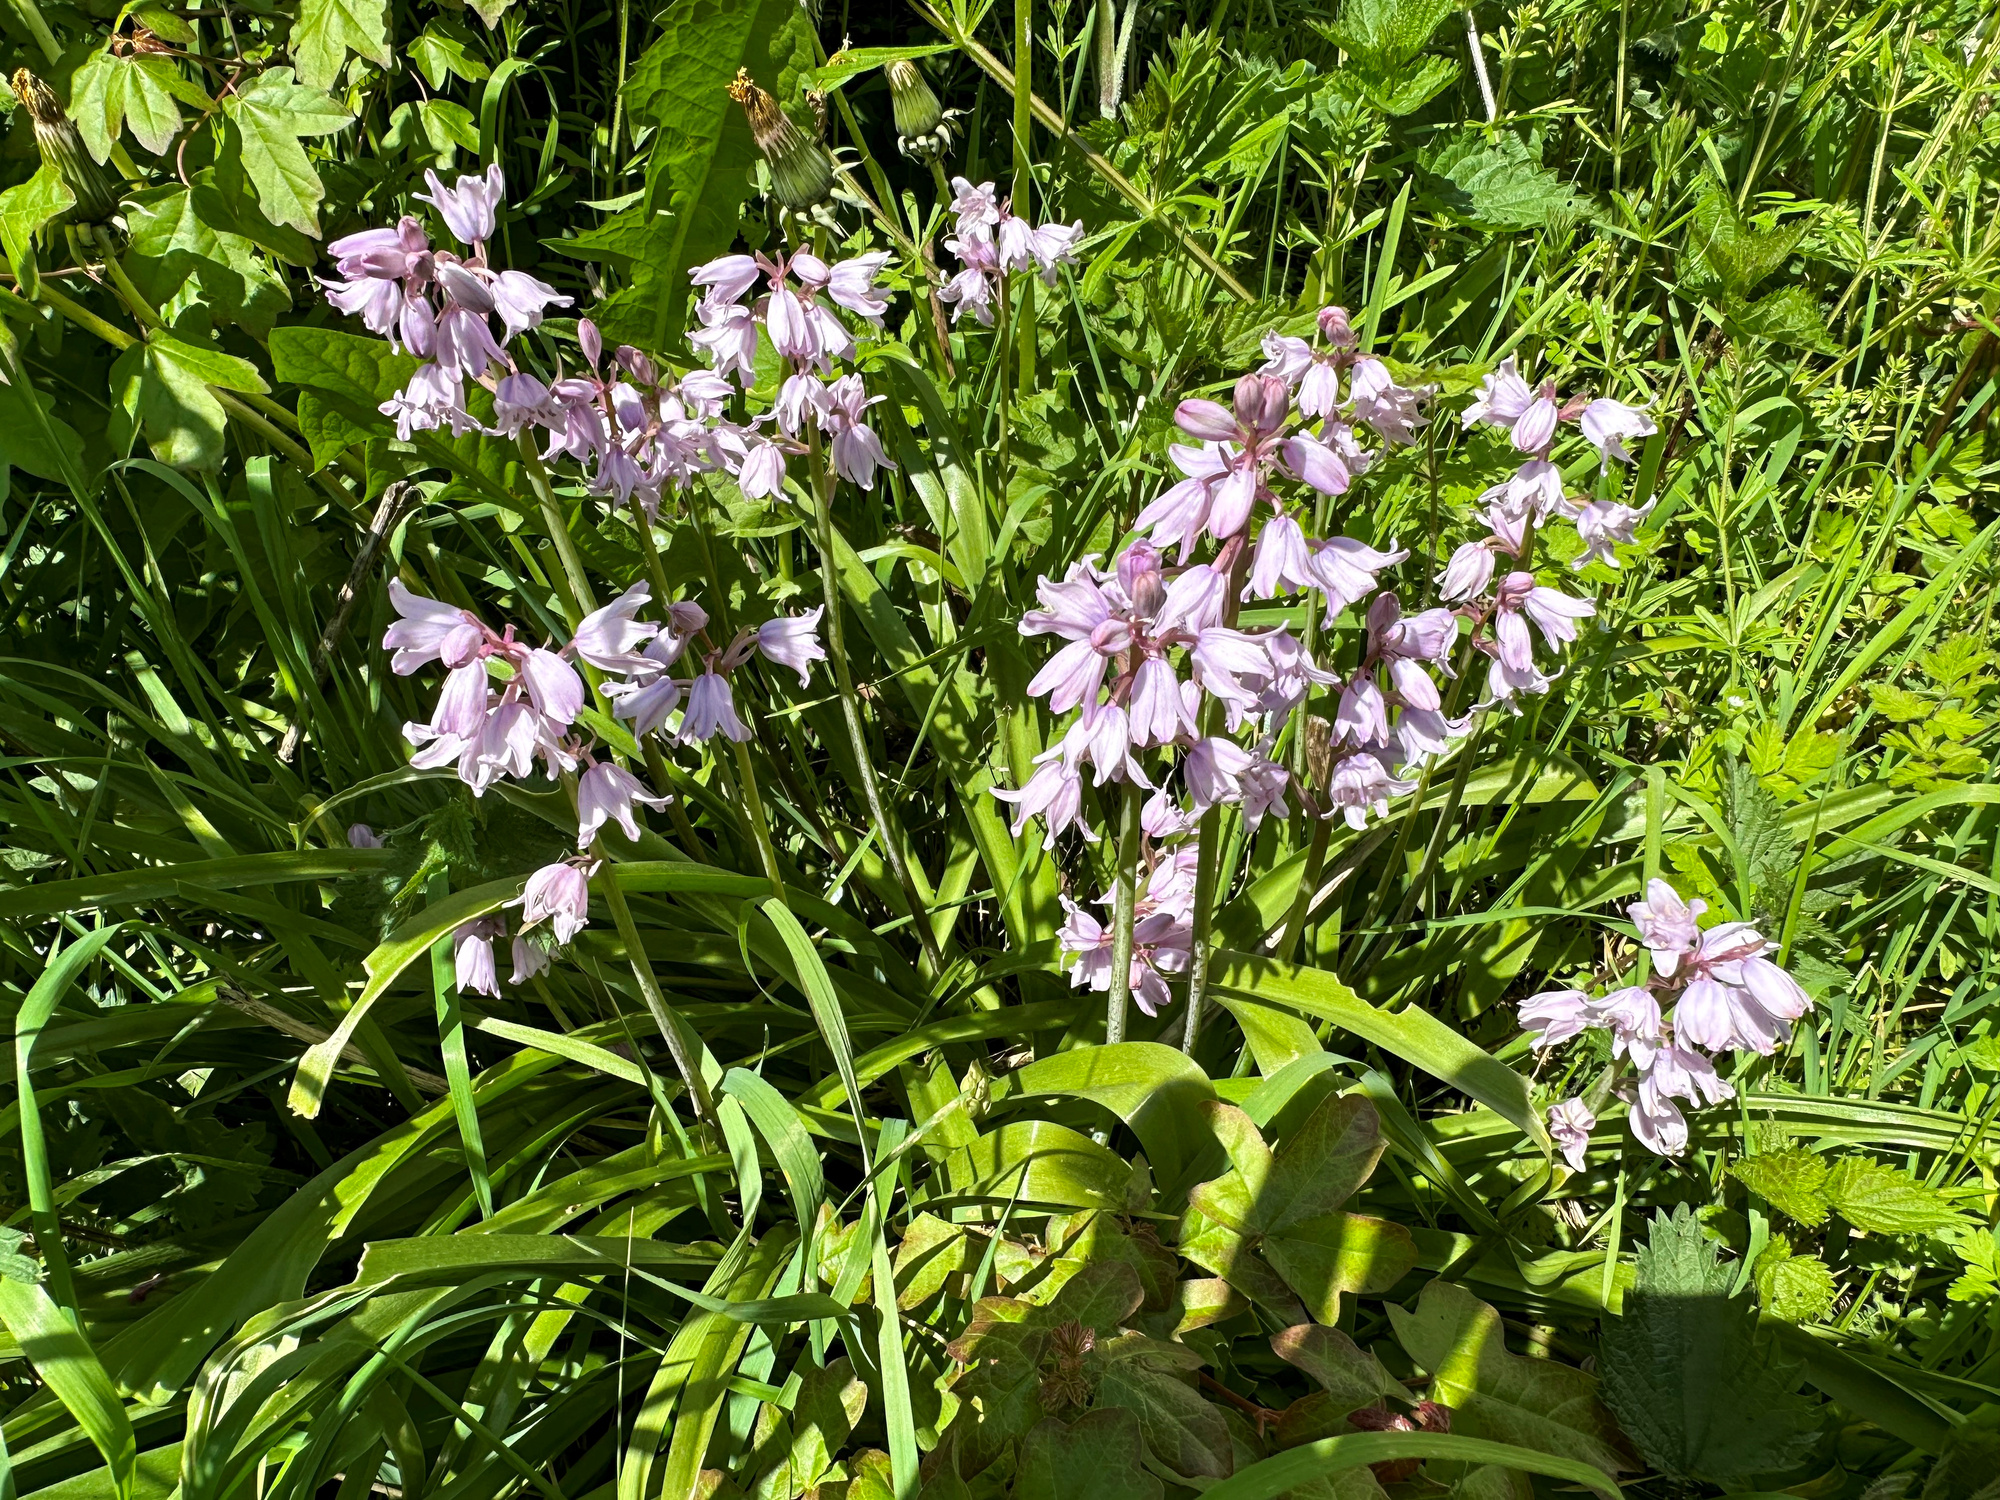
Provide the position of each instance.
(161, 387)
(1494, 1393)
(442, 51)
(272, 114)
(26, 209)
(1097, 1457)
(327, 30)
(1874, 1197)
(111, 94)
(1499, 185)
(1702, 1395)
(1146, 1376)
(174, 247)
(1792, 1181)
(1346, 1372)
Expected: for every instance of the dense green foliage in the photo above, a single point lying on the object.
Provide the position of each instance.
(288, 1215)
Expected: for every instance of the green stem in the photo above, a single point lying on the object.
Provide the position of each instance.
(760, 828)
(886, 834)
(1207, 850)
(1121, 915)
(649, 987)
(580, 601)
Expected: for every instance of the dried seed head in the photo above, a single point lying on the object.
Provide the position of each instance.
(801, 171)
(62, 149)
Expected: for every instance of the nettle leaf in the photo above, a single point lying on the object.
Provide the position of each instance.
(110, 94)
(1797, 1288)
(1874, 1197)
(1382, 35)
(1730, 248)
(327, 30)
(272, 114)
(1500, 184)
(1792, 1181)
(1700, 1392)
(161, 388)
(1096, 1457)
(1495, 1393)
(1790, 316)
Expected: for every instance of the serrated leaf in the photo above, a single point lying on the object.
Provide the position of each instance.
(1383, 35)
(1790, 316)
(1797, 1288)
(49, 453)
(1499, 184)
(1693, 1384)
(1874, 1197)
(272, 114)
(1898, 704)
(327, 30)
(1791, 1181)
(1727, 245)
(698, 168)
(1494, 1393)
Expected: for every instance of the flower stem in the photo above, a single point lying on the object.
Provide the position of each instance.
(581, 600)
(649, 988)
(850, 708)
(1208, 846)
(753, 802)
(1121, 915)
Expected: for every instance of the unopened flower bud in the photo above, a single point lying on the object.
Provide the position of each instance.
(914, 105)
(62, 149)
(801, 171)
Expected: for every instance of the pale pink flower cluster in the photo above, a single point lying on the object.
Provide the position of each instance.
(796, 314)
(1533, 418)
(1724, 996)
(439, 304)
(1147, 643)
(990, 242)
(1162, 931)
(506, 705)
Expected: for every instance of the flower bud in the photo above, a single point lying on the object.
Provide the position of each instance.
(801, 171)
(914, 105)
(62, 149)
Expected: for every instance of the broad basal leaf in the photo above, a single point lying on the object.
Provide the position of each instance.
(272, 113)
(1494, 1393)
